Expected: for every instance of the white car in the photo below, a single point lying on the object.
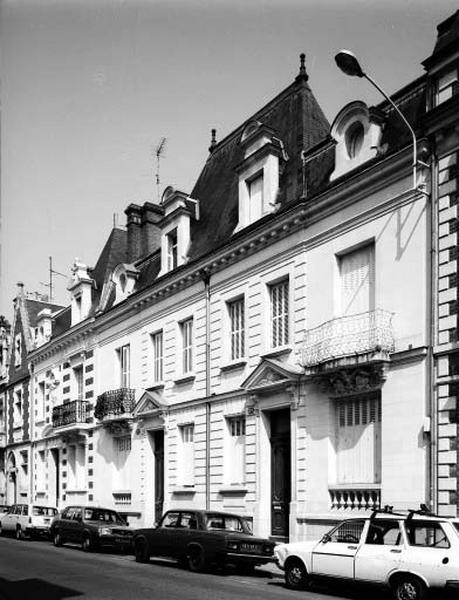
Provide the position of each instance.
(409, 553)
(32, 520)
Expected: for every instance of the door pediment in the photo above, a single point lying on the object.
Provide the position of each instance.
(149, 403)
(270, 374)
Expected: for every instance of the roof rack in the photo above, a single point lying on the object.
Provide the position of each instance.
(423, 511)
(386, 510)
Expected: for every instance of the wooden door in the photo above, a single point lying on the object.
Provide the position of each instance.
(159, 474)
(280, 473)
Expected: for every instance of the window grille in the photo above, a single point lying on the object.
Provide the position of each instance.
(237, 321)
(123, 444)
(279, 313)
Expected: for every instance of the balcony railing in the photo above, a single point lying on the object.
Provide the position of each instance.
(115, 403)
(70, 413)
(347, 336)
(355, 499)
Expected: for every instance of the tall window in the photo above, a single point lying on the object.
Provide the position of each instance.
(255, 189)
(237, 325)
(17, 417)
(279, 314)
(187, 454)
(124, 360)
(41, 401)
(172, 250)
(187, 345)
(445, 86)
(235, 468)
(78, 382)
(357, 281)
(359, 440)
(157, 343)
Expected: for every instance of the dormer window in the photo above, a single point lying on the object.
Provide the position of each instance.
(446, 86)
(80, 287)
(17, 350)
(259, 171)
(124, 277)
(179, 211)
(172, 250)
(357, 131)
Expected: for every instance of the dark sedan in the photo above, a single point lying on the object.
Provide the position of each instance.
(93, 528)
(200, 539)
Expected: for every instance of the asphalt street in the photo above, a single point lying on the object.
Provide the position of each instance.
(36, 570)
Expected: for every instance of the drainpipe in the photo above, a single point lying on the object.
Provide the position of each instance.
(431, 315)
(205, 275)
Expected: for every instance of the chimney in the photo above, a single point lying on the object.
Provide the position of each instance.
(134, 234)
(152, 214)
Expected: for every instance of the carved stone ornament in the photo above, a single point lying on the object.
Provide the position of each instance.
(252, 407)
(270, 377)
(351, 382)
(119, 427)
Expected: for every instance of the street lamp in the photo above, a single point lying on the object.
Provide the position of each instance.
(348, 63)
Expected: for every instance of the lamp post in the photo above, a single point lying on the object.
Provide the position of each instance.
(349, 64)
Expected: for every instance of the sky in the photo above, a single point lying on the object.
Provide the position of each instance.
(90, 87)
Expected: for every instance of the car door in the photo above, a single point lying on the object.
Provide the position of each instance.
(10, 519)
(334, 555)
(186, 532)
(382, 551)
(162, 543)
(77, 525)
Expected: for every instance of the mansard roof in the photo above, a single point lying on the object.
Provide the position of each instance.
(447, 39)
(113, 253)
(298, 121)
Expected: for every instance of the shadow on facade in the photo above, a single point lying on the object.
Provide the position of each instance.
(34, 589)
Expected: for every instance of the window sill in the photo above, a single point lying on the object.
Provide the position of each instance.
(237, 488)
(185, 379)
(232, 366)
(17, 425)
(76, 491)
(276, 352)
(184, 489)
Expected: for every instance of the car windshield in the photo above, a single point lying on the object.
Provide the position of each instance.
(456, 525)
(225, 522)
(43, 511)
(105, 516)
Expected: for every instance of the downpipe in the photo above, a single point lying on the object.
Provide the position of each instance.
(205, 274)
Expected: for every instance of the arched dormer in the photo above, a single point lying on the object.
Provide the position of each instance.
(357, 131)
(179, 210)
(259, 171)
(124, 277)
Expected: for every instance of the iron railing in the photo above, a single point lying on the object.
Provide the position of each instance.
(350, 335)
(70, 413)
(115, 403)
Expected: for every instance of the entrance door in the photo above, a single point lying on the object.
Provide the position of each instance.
(54, 496)
(280, 472)
(159, 474)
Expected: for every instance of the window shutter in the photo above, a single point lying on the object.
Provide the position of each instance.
(357, 281)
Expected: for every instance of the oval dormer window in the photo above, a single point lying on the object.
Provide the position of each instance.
(354, 139)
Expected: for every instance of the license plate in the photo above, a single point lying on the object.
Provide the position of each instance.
(250, 547)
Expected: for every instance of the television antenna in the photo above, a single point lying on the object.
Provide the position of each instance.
(159, 152)
(52, 272)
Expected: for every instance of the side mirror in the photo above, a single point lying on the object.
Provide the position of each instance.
(325, 538)
(127, 523)
(155, 524)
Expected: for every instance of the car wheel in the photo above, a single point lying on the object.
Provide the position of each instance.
(296, 576)
(407, 587)
(87, 544)
(57, 539)
(141, 553)
(19, 533)
(196, 560)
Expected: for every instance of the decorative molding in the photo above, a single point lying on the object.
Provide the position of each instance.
(353, 381)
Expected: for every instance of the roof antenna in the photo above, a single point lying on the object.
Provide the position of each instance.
(159, 155)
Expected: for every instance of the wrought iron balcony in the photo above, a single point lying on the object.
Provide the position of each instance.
(115, 404)
(361, 334)
(70, 413)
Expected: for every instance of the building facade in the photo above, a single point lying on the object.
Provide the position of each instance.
(276, 343)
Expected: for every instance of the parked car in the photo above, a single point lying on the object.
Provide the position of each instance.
(27, 520)
(407, 552)
(4, 508)
(92, 527)
(201, 538)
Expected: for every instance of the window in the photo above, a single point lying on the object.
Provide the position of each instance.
(170, 520)
(17, 408)
(124, 361)
(354, 139)
(157, 343)
(17, 350)
(427, 534)
(358, 444)
(172, 250)
(187, 454)
(41, 401)
(41, 471)
(357, 281)
(123, 444)
(384, 532)
(348, 532)
(445, 86)
(78, 382)
(187, 346)
(237, 325)
(255, 191)
(235, 468)
(279, 314)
